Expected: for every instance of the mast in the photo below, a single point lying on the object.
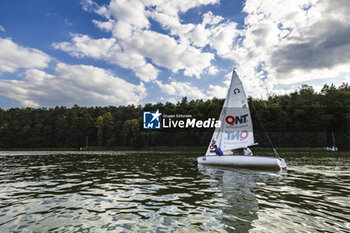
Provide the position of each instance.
(333, 138)
(225, 107)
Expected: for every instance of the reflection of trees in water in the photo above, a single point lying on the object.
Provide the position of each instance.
(238, 191)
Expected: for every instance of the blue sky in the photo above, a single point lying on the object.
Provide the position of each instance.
(119, 52)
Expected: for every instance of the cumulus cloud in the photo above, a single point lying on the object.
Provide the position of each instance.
(83, 45)
(280, 41)
(134, 45)
(170, 100)
(214, 31)
(291, 42)
(173, 7)
(165, 51)
(217, 91)
(109, 50)
(104, 25)
(327, 46)
(212, 70)
(2, 29)
(72, 84)
(175, 88)
(14, 57)
(182, 89)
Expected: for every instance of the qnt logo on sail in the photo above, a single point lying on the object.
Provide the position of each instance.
(231, 120)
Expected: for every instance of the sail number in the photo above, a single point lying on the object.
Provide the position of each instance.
(236, 91)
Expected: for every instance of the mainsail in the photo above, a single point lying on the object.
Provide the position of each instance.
(236, 129)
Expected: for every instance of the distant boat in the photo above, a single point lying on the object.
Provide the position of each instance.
(330, 148)
(236, 132)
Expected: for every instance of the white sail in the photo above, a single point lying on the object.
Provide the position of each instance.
(236, 129)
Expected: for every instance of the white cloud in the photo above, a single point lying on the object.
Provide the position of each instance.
(228, 77)
(167, 52)
(104, 25)
(2, 29)
(281, 41)
(292, 41)
(134, 42)
(217, 91)
(181, 89)
(14, 57)
(72, 84)
(68, 22)
(130, 12)
(174, 7)
(87, 4)
(83, 45)
(91, 6)
(109, 50)
(347, 79)
(132, 53)
(212, 70)
(170, 100)
(213, 31)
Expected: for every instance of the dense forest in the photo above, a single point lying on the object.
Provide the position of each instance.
(299, 119)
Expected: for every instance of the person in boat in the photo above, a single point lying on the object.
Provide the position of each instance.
(247, 151)
(218, 151)
(234, 152)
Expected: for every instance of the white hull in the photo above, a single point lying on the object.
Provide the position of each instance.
(258, 162)
(331, 148)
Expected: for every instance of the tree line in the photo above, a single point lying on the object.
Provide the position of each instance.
(299, 119)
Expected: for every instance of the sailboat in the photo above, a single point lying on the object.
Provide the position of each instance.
(236, 132)
(330, 148)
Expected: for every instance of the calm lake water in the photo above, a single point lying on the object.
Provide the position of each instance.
(169, 192)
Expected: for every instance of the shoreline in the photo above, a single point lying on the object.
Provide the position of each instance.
(168, 148)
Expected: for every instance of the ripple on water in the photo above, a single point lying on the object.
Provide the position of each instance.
(143, 191)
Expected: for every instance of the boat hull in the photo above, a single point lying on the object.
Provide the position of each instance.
(331, 149)
(256, 162)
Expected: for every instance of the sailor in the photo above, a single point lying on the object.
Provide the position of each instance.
(247, 151)
(234, 152)
(218, 151)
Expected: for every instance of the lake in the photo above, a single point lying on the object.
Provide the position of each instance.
(140, 191)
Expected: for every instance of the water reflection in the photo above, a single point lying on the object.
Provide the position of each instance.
(303, 205)
(237, 187)
(167, 192)
(104, 191)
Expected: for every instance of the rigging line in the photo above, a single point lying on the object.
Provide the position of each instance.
(274, 150)
(333, 138)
